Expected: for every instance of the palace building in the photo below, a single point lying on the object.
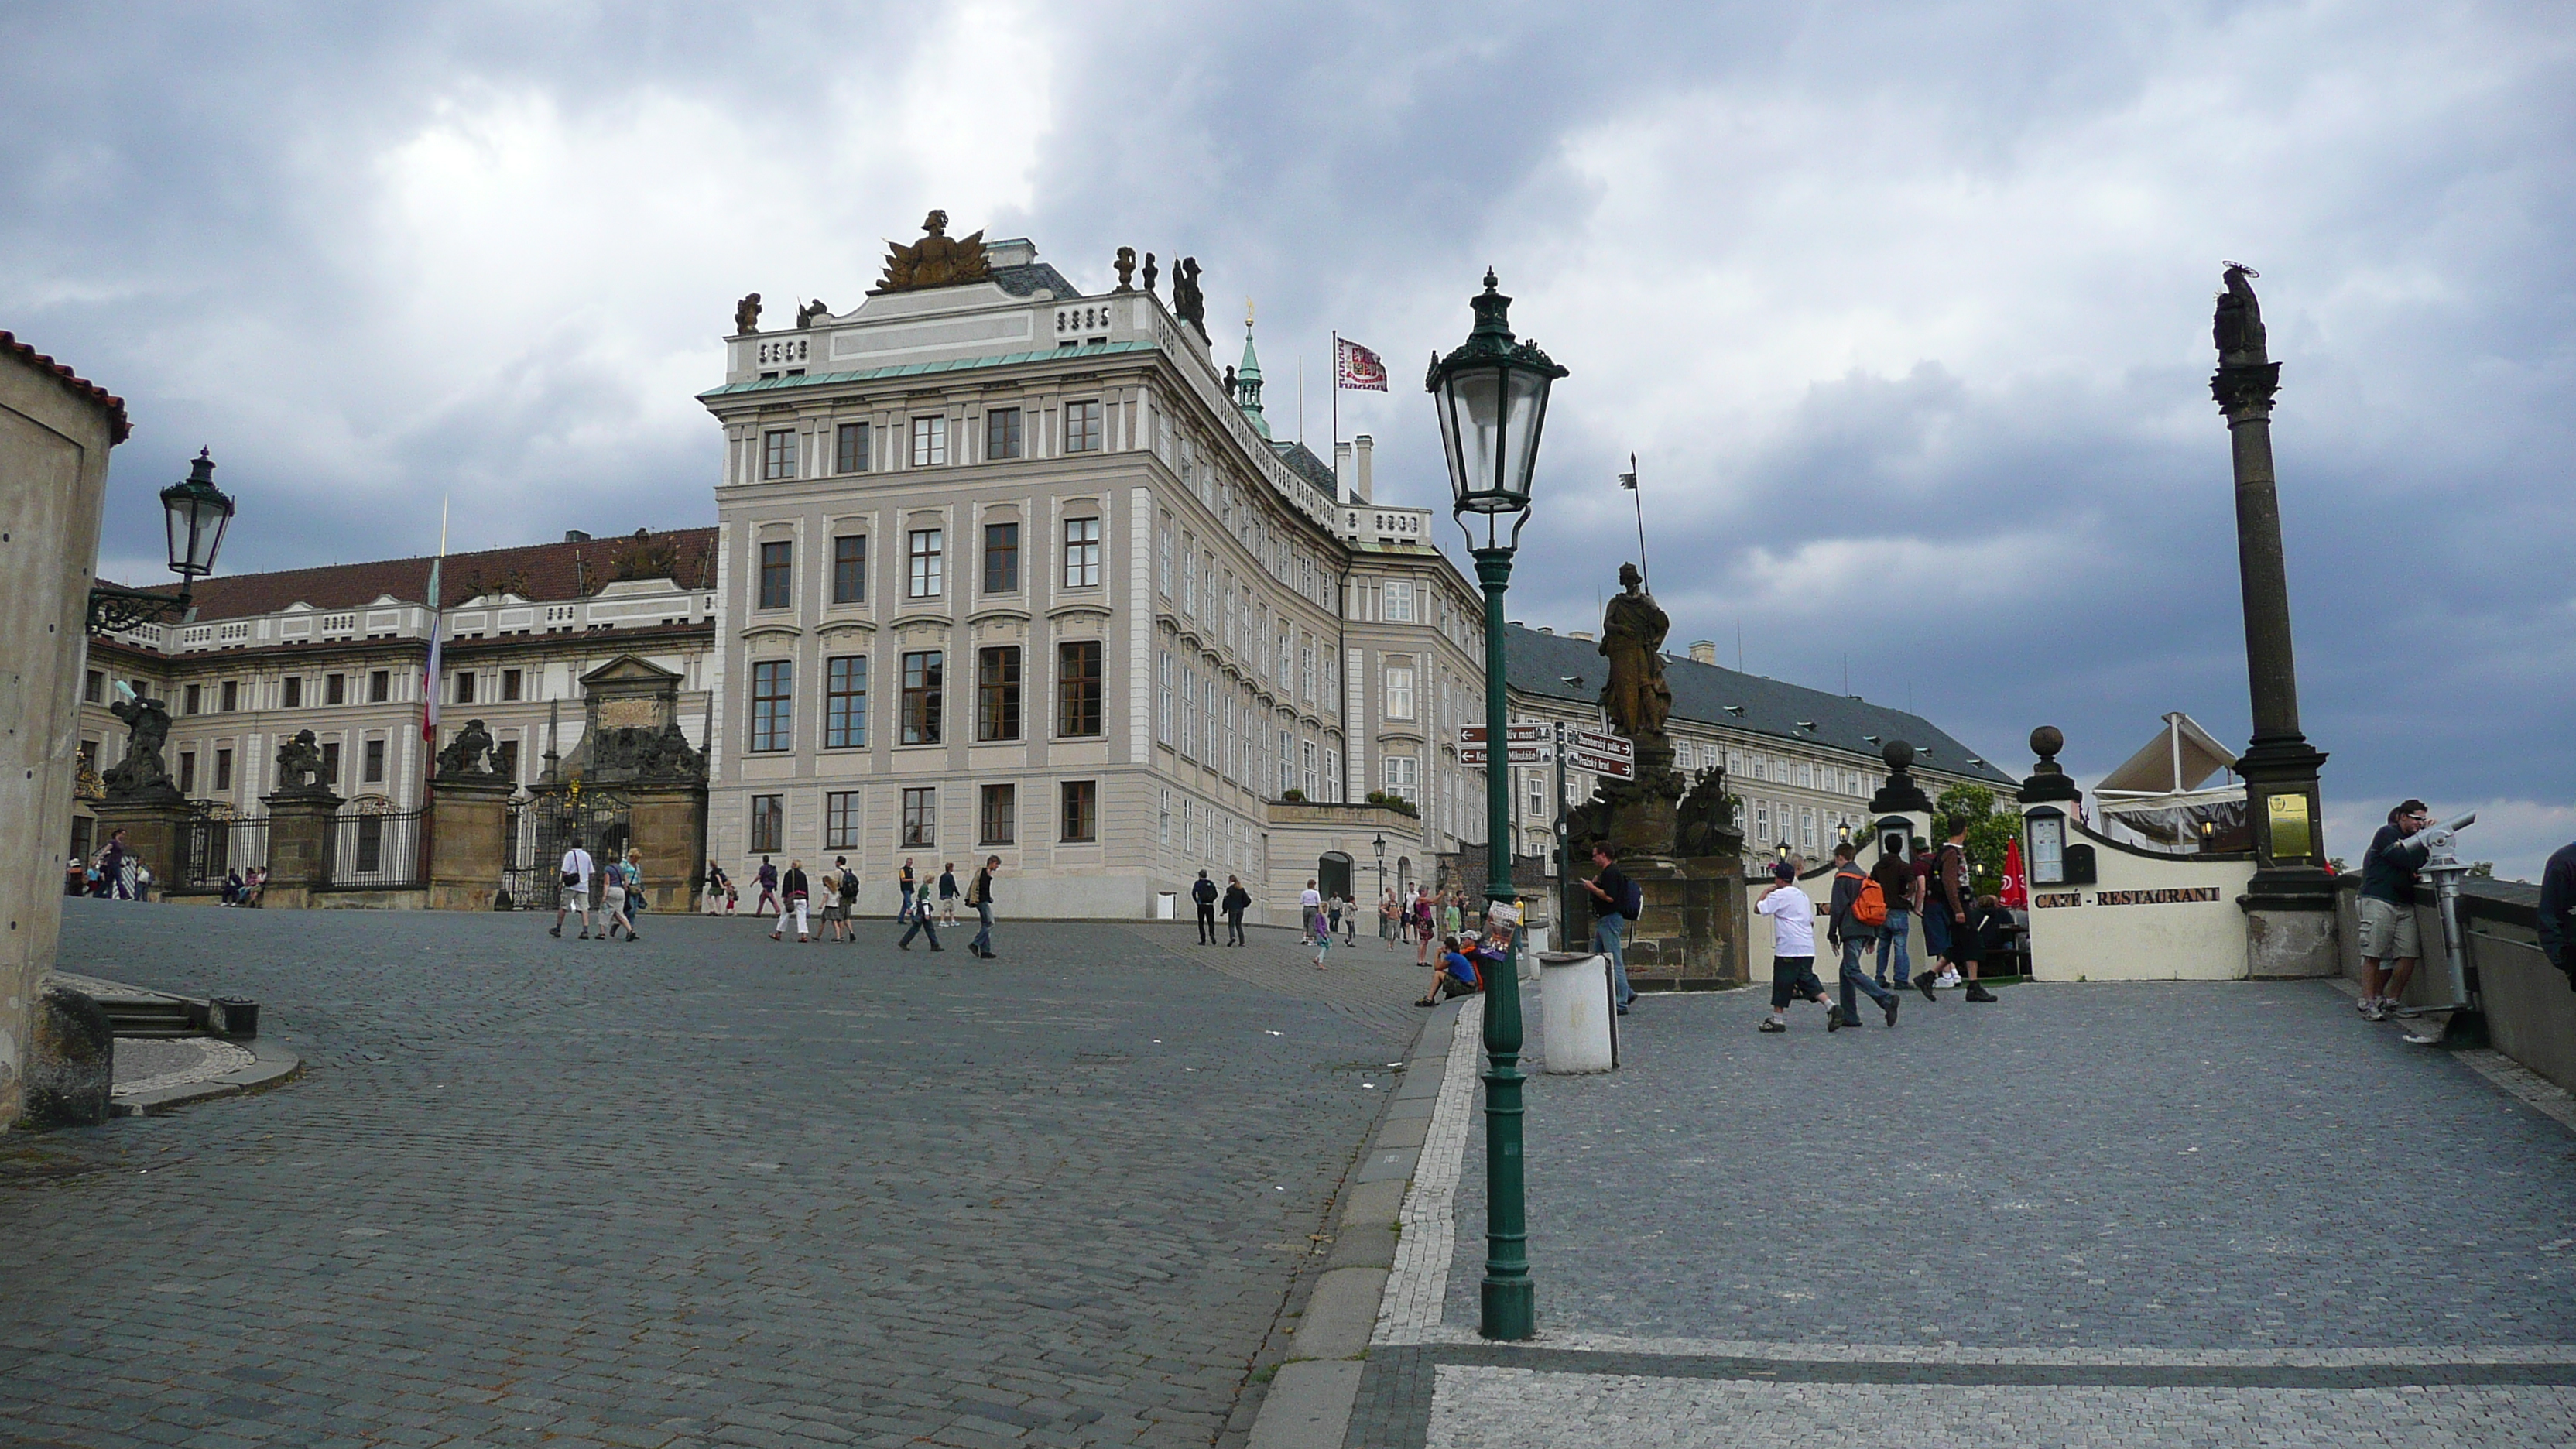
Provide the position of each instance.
(1005, 568)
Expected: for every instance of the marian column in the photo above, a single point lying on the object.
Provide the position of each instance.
(2290, 902)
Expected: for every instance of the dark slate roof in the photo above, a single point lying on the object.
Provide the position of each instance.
(118, 429)
(1537, 664)
(1315, 470)
(1025, 281)
(545, 572)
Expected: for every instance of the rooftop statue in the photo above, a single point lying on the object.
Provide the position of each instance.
(746, 314)
(1187, 302)
(807, 312)
(1632, 637)
(1151, 271)
(937, 260)
(1126, 269)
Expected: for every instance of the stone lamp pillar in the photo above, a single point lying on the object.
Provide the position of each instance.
(2290, 902)
(1900, 798)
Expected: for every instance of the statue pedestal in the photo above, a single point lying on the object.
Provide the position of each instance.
(669, 824)
(299, 848)
(155, 829)
(1691, 935)
(468, 826)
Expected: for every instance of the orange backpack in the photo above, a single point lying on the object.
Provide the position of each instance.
(1869, 908)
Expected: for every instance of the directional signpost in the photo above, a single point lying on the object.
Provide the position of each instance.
(1525, 743)
(1601, 753)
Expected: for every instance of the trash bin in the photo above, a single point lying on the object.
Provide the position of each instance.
(1580, 1028)
(234, 1016)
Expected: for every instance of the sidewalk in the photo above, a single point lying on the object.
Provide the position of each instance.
(2172, 1214)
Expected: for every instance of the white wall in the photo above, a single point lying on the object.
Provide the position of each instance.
(2101, 937)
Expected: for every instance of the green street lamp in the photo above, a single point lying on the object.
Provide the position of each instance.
(195, 513)
(1491, 394)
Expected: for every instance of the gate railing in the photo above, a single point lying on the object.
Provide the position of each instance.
(378, 850)
(211, 849)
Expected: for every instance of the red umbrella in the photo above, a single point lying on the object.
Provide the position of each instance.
(2016, 893)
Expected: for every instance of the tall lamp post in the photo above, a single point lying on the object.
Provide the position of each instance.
(1380, 844)
(196, 513)
(1491, 395)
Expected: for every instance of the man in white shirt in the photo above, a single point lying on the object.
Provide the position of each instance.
(575, 873)
(1793, 950)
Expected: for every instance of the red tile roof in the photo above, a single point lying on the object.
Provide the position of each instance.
(545, 572)
(118, 428)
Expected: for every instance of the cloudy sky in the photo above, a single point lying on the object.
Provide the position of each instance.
(1904, 309)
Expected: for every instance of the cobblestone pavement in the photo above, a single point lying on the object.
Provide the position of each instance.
(705, 1189)
(2203, 1214)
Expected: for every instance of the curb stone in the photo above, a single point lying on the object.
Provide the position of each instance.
(270, 1065)
(1311, 1399)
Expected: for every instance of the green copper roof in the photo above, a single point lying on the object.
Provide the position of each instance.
(1247, 381)
(917, 369)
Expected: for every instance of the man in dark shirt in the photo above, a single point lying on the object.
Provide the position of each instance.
(1611, 919)
(2387, 908)
(980, 896)
(1204, 892)
(1897, 882)
(1237, 901)
(2558, 911)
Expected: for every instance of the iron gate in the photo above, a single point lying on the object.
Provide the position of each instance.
(542, 828)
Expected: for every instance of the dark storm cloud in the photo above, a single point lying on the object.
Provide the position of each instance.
(1905, 308)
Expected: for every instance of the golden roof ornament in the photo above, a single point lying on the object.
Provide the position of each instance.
(937, 260)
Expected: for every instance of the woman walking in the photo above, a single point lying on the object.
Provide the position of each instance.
(612, 900)
(836, 922)
(634, 890)
(793, 886)
(924, 921)
(1387, 910)
(767, 878)
(1310, 911)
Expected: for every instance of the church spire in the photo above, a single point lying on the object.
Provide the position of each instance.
(1247, 378)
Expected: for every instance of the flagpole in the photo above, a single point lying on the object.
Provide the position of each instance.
(1628, 480)
(1336, 390)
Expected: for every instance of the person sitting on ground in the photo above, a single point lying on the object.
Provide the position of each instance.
(1454, 974)
(1991, 931)
(232, 887)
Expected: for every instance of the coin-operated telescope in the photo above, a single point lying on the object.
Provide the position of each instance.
(2467, 1026)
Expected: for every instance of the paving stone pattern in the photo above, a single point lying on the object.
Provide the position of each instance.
(705, 1189)
(2176, 1166)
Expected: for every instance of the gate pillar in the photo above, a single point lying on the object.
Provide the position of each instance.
(468, 815)
(669, 824)
(299, 847)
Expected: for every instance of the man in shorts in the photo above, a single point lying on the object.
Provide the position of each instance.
(836, 920)
(2387, 908)
(1793, 950)
(577, 868)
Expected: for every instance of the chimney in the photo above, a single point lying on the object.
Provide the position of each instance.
(1703, 651)
(1365, 486)
(1583, 634)
(575, 535)
(1342, 471)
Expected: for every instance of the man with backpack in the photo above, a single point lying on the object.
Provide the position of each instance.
(1617, 901)
(1945, 914)
(1858, 913)
(1203, 891)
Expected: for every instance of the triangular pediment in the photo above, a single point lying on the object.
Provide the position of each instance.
(627, 669)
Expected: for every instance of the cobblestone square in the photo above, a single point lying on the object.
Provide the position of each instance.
(704, 1189)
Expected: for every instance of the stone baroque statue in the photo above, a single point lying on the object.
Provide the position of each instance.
(807, 312)
(1633, 626)
(1188, 303)
(746, 314)
(2239, 323)
(299, 766)
(1151, 271)
(1706, 819)
(937, 260)
(464, 754)
(142, 772)
(1126, 269)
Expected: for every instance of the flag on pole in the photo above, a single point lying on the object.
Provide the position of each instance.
(1357, 369)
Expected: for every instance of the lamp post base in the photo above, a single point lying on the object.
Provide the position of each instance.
(1507, 1310)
